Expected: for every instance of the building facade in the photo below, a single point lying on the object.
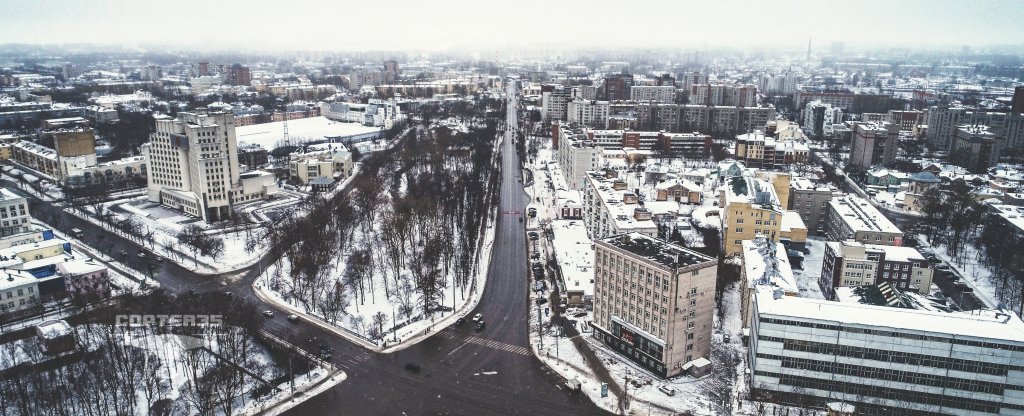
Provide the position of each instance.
(852, 264)
(873, 144)
(14, 215)
(976, 148)
(885, 360)
(193, 166)
(654, 303)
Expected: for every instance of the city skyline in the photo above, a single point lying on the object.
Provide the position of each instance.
(324, 26)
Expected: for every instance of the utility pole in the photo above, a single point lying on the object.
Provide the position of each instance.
(625, 392)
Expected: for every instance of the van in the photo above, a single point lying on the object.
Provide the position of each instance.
(77, 233)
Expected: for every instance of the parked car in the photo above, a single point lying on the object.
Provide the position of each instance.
(478, 317)
(268, 314)
(671, 391)
(533, 235)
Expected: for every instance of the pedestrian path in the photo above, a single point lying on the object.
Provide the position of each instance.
(515, 349)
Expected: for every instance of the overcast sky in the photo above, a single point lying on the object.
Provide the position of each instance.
(444, 24)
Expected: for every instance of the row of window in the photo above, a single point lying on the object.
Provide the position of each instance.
(895, 334)
(898, 357)
(886, 374)
(854, 389)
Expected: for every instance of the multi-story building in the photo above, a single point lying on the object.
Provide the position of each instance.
(151, 73)
(851, 264)
(617, 87)
(253, 156)
(751, 208)
(849, 102)
(654, 303)
(758, 151)
(976, 148)
(689, 79)
(810, 201)
(854, 218)
(588, 113)
(85, 278)
(906, 120)
(37, 157)
(724, 95)
(943, 122)
(818, 118)
(331, 161)
(684, 145)
(193, 166)
(778, 84)
(660, 94)
(873, 144)
(576, 157)
(555, 103)
(239, 75)
(885, 360)
(19, 291)
(611, 209)
(14, 215)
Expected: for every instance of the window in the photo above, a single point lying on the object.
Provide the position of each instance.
(693, 302)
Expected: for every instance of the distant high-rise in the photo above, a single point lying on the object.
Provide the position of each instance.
(390, 71)
(873, 144)
(204, 68)
(616, 87)
(239, 75)
(1018, 100)
(808, 49)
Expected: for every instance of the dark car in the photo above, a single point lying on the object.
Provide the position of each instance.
(481, 325)
(533, 235)
(460, 321)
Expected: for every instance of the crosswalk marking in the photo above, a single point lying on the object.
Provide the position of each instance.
(515, 349)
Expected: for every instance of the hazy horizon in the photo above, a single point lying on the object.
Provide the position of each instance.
(457, 24)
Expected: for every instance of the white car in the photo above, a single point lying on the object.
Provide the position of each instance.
(268, 314)
(478, 317)
(667, 390)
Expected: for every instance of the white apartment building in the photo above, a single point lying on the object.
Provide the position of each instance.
(778, 84)
(555, 104)
(654, 303)
(885, 360)
(14, 215)
(610, 209)
(19, 290)
(660, 93)
(589, 113)
(193, 166)
(576, 157)
(854, 218)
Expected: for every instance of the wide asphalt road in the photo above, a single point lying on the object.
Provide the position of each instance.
(458, 371)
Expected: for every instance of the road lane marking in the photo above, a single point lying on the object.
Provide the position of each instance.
(457, 348)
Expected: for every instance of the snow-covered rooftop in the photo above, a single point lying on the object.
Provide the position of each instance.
(983, 324)
(300, 130)
(575, 254)
(765, 263)
(860, 215)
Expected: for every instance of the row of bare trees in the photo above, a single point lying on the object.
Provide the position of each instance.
(406, 230)
(153, 369)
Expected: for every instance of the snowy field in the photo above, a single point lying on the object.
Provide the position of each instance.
(165, 224)
(303, 130)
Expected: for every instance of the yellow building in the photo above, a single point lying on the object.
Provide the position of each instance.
(751, 207)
